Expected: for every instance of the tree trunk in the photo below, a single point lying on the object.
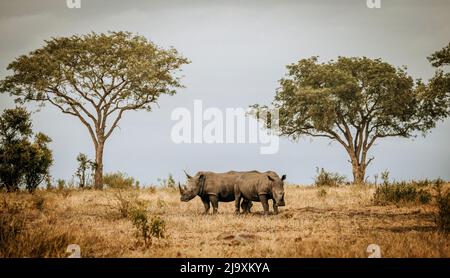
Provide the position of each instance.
(83, 178)
(359, 173)
(98, 177)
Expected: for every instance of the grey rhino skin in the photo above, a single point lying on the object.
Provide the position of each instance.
(260, 187)
(213, 188)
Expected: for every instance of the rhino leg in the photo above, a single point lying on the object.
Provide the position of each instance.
(275, 207)
(265, 203)
(237, 202)
(205, 201)
(215, 203)
(246, 205)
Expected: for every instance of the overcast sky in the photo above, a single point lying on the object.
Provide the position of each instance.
(239, 50)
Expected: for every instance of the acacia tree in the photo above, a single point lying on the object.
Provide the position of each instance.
(96, 78)
(355, 102)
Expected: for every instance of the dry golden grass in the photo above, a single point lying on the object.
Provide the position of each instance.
(339, 223)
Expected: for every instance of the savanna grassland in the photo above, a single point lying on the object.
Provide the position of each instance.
(316, 222)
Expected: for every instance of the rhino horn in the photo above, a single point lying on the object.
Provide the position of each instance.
(181, 189)
(187, 175)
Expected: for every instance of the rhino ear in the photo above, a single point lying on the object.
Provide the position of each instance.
(283, 177)
(270, 178)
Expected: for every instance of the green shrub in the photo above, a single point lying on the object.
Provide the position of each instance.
(139, 219)
(325, 178)
(400, 192)
(118, 180)
(146, 229)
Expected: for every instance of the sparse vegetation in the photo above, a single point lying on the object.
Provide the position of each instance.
(168, 183)
(325, 178)
(19, 239)
(307, 227)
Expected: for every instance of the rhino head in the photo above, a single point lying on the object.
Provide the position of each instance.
(277, 189)
(193, 188)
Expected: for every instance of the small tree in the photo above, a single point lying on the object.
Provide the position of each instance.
(15, 129)
(22, 161)
(96, 78)
(85, 165)
(356, 102)
(39, 160)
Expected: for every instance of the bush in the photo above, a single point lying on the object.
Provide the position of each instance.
(325, 178)
(158, 227)
(322, 193)
(119, 180)
(400, 192)
(144, 229)
(127, 202)
(139, 219)
(131, 207)
(443, 209)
